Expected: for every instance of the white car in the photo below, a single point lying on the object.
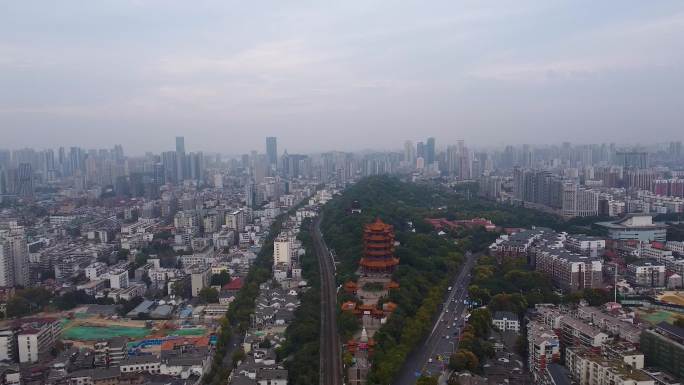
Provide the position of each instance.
(446, 311)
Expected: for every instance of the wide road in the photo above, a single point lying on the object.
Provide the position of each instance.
(330, 360)
(443, 338)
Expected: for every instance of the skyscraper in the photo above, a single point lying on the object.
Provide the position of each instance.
(25, 180)
(272, 151)
(180, 159)
(19, 248)
(6, 264)
(3, 182)
(250, 194)
(430, 151)
(632, 159)
(169, 161)
(420, 150)
(13, 258)
(409, 153)
(180, 144)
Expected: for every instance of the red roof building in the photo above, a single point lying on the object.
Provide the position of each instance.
(234, 285)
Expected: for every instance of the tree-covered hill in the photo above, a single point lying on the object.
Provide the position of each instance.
(426, 259)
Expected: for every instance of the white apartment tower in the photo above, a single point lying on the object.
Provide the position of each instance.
(6, 264)
(14, 258)
(282, 250)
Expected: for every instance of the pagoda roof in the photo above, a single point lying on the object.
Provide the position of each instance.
(349, 306)
(379, 263)
(371, 236)
(380, 253)
(378, 225)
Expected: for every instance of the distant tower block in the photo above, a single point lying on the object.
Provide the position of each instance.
(378, 249)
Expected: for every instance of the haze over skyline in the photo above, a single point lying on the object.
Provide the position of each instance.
(345, 76)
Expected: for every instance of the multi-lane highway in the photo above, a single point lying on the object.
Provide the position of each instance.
(443, 337)
(330, 360)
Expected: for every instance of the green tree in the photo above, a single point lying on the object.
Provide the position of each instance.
(18, 306)
(479, 294)
(481, 321)
(72, 299)
(27, 301)
(141, 259)
(238, 355)
(181, 288)
(597, 297)
(348, 324)
(208, 295)
(220, 279)
(427, 380)
(464, 359)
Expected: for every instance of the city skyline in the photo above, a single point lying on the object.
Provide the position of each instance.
(342, 193)
(347, 77)
(262, 147)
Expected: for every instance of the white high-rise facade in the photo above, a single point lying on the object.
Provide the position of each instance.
(282, 250)
(6, 264)
(14, 258)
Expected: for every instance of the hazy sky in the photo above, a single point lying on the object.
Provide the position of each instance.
(338, 74)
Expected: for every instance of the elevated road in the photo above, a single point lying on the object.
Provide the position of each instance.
(330, 359)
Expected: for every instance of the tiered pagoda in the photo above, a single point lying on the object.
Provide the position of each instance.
(378, 249)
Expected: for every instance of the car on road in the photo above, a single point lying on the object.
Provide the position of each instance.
(449, 289)
(430, 360)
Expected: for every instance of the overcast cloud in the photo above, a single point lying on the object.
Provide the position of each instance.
(338, 75)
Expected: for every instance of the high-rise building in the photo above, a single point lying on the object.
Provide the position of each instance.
(200, 278)
(409, 153)
(168, 160)
(25, 180)
(452, 160)
(14, 258)
(282, 250)
(272, 151)
(430, 151)
(632, 159)
(180, 159)
(420, 150)
(250, 194)
(180, 144)
(663, 346)
(195, 167)
(3, 183)
(6, 264)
